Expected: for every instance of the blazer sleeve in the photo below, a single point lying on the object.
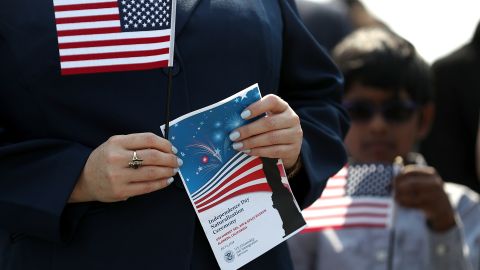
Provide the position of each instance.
(312, 85)
(37, 176)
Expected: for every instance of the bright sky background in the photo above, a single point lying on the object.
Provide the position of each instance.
(435, 27)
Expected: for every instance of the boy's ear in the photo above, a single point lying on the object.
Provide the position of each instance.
(427, 113)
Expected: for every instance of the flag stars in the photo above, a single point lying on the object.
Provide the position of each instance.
(144, 14)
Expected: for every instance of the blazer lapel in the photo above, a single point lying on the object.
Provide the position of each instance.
(185, 9)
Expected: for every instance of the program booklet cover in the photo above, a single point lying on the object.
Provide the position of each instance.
(244, 203)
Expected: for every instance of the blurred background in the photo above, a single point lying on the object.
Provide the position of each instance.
(435, 27)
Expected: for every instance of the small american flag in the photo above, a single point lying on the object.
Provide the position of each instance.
(114, 35)
(357, 196)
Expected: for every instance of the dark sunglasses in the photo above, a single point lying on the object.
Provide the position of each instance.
(393, 111)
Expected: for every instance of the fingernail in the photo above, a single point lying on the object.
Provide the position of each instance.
(175, 171)
(234, 135)
(170, 180)
(180, 162)
(174, 149)
(245, 114)
(246, 151)
(237, 145)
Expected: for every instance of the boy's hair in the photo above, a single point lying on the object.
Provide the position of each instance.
(377, 57)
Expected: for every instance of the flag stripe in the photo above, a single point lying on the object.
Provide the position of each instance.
(113, 55)
(109, 62)
(371, 205)
(71, 71)
(109, 49)
(115, 42)
(88, 25)
(95, 5)
(326, 222)
(343, 211)
(364, 214)
(123, 35)
(345, 226)
(71, 2)
(89, 31)
(86, 12)
(109, 17)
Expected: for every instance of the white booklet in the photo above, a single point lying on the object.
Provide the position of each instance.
(244, 203)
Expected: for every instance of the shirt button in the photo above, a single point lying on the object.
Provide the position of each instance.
(381, 255)
(441, 249)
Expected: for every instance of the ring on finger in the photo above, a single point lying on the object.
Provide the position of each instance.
(136, 162)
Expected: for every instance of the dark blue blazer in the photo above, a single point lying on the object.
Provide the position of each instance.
(49, 125)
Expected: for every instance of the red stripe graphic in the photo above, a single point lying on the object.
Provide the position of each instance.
(243, 169)
(255, 188)
(251, 177)
(116, 42)
(71, 71)
(93, 31)
(97, 18)
(113, 55)
(85, 6)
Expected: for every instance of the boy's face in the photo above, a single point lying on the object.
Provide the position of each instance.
(384, 124)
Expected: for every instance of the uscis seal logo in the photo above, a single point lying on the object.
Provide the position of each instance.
(229, 256)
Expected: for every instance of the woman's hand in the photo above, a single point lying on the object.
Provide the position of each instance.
(107, 176)
(422, 188)
(278, 135)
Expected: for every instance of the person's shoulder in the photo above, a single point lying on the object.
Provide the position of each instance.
(464, 56)
(462, 198)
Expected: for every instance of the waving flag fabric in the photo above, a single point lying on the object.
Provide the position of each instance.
(357, 196)
(114, 35)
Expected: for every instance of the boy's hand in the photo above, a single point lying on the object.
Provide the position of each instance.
(422, 188)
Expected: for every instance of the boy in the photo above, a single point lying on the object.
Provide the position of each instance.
(389, 99)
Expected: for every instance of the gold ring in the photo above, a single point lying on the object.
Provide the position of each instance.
(136, 162)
